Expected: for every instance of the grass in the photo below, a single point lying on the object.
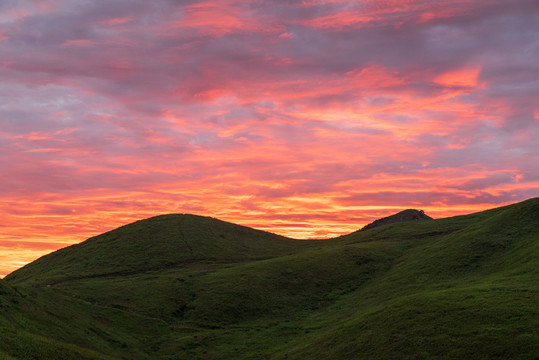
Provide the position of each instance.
(181, 286)
(157, 243)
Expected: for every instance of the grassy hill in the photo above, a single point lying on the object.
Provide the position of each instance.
(157, 243)
(38, 324)
(182, 286)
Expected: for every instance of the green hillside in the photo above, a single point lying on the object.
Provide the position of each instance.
(157, 243)
(39, 324)
(188, 287)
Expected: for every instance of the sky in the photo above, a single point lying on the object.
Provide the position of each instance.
(305, 118)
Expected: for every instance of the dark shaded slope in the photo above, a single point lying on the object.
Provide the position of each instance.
(44, 325)
(403, 216)
(265, 290)
(157, 243)
(6, 293)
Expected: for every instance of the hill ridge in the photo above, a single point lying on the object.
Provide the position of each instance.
(156, 243)
(458, 287)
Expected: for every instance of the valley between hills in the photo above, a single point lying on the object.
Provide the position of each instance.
(189, 287)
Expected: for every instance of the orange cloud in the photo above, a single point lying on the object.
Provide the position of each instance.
(466, 77)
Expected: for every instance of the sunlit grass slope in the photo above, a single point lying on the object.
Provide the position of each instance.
(465, 287)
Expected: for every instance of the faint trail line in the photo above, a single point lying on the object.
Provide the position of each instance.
(182, 235)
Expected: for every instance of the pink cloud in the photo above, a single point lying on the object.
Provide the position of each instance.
(466, 77)
(116, 21)
(80, 42)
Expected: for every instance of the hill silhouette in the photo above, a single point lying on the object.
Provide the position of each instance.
(460, 287)
(403, 216)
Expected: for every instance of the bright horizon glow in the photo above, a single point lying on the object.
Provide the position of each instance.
(308, 119)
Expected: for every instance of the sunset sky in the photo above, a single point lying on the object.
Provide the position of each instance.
(305, 118)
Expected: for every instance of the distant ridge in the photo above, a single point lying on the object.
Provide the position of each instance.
(403, 216)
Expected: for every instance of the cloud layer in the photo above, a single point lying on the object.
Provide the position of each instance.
(306, 118)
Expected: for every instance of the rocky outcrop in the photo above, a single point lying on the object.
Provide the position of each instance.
(406, 215)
